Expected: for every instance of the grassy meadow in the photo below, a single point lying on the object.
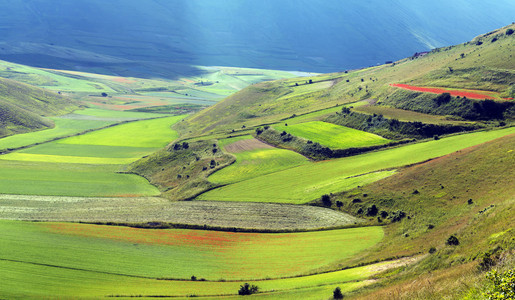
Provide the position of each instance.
(310, 181)
(254, 161)
(88, 164)
(212, 255)
(333, 136)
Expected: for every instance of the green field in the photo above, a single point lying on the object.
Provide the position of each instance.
(254, 163)
(71, 124)
(87, 165)
(66, 179)
(147, 133)
(308, 182)
(333, 136)
(23, 280)
(179, 253)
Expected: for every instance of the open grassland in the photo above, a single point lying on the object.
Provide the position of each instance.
(86, 165)
(66, 179)
(71, 124)
(212, 255)
(136, 134)
(333, 136)
(254, 159)
(24, 280)
(469, 194)
(308, 182)
(141, 210)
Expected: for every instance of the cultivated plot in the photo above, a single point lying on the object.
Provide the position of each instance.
(308, 182)
(333, 136)
(181, 253)
(254, 158)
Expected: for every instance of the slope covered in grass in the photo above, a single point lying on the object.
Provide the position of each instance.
(23, 107)
(253, 159)
(468, 194)
(333, 136)
(212, 255)
(308, 182)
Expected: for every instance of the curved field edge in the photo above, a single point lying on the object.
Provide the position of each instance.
(25, 281)
(213, 255)
(332, 135)
(254, 158)
(161, 213)
(308, 182)
(88, 164)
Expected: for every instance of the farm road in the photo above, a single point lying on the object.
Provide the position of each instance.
(257, 216)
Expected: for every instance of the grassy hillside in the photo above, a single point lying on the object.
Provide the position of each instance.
(23, 108)
(485, 66)
(468, 194)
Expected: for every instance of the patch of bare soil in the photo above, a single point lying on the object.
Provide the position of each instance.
(246, 145)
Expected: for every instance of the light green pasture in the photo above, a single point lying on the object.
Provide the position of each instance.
(64, 179)
(308, 182)
(333, 136)
(182, 253)
(22, 280)
(253, 163)
(63, 127)
(146, 133)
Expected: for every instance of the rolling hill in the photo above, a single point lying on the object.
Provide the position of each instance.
(388, 182)
(23, 108)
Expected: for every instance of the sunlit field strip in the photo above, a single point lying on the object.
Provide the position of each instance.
(307, 182)
(212, 255)
(333, 136)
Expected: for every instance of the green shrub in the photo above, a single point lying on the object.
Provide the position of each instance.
(509, 31)
(248, 289)
(453, 241)
(337, 293)
(503, 285)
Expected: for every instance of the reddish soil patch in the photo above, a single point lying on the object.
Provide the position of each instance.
(455, 93)
(246, 145)
(123, 80)
(172, 237)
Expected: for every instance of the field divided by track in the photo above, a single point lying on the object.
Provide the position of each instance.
(254, 158)
(180, 253)
(306, 183)
(333, 136)
(87, 165)
(24, 280)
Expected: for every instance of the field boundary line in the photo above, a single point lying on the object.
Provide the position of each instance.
(9, 150)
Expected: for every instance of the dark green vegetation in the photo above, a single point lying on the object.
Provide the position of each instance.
(23, 108)
(426, 187)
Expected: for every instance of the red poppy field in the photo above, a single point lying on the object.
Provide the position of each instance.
(206, 254)
(472, 94)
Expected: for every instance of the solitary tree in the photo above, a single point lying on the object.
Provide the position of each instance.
(326, 200)
(337, 293)
(248, 289)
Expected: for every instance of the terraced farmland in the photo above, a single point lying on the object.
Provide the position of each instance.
(212, 255)
(87, 165)
(310, 181)
(253, 159)
(333, 136)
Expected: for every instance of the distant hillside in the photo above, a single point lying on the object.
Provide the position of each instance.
(23, 108)
(156, 37)
(483, 64)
